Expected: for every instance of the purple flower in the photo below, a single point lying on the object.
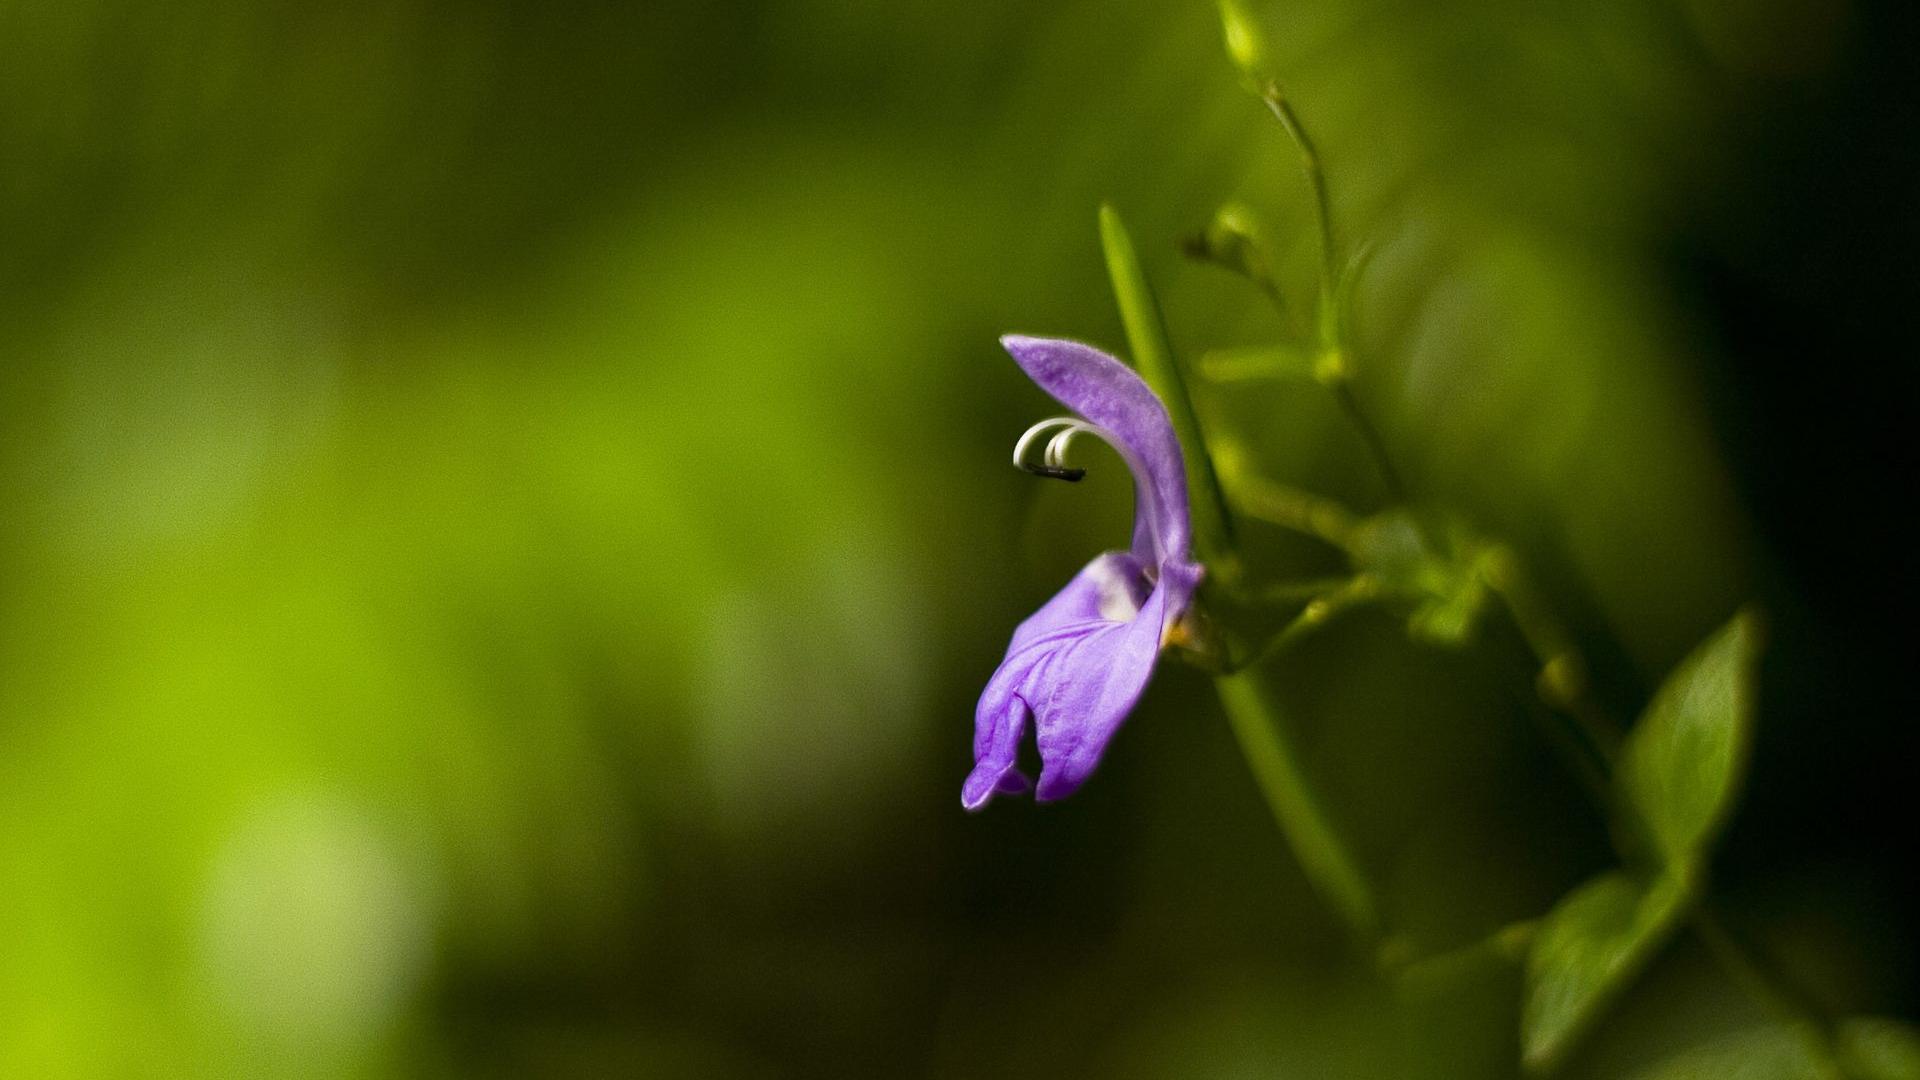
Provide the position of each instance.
(1076, 667)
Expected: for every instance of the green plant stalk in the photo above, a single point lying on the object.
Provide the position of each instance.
(1300, 511)
(1348, 594)
(1153, 354)
(1370, 435)
(1265, 741)
(1256, 720)
(1282, 110)
(1336, 373)
(1562, 682)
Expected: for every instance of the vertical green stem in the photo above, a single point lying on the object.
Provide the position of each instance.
(1282, 110)
(1334, 368)
(1256, 720)
(1265, 740)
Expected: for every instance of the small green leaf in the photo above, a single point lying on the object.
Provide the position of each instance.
(1449, 620)
(1586, 951)
(1681, 768)
(1236, 241)
(1873, 1048)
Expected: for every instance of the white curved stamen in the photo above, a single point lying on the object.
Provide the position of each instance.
(1064, 428)
(1026, 440)
(1057, 446)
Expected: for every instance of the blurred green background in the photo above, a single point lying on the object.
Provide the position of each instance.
(504, 514)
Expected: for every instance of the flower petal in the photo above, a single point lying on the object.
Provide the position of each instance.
(1094, 681)
(1109, 393)
(1076, 678)
(999, 723)
(1112, 586)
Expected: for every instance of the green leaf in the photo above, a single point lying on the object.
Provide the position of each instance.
(1681, 767)
(1586, 951)
(1878, 1049)
(1446, 584)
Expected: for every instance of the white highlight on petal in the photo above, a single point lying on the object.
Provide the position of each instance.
(1119, 600)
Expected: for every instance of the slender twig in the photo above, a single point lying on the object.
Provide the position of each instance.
(1293, 593)
(1332, 328)
(1562, 680)
(1266, 741)
(1282, 110)
(1291, 508)
(1376, 446)
(1354, 592)
(1748, 965)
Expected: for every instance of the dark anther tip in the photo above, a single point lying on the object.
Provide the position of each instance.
(1071, 476)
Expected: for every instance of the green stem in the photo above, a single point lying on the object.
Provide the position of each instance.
(1332, 325)
(1266, 742)
(1255, 718)
(1351, 593)
(1282, 111)
(1294, 593)
(1291, 508)
(1562, 679)
(1376, 446)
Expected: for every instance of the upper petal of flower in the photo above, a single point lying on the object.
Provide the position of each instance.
(1109, 394)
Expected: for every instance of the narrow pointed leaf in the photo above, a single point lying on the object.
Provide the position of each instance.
(1681, 767)
(1153, 356)
(1587, 950)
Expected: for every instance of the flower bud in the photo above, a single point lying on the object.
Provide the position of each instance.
(1246, 45)
(1235, 240)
